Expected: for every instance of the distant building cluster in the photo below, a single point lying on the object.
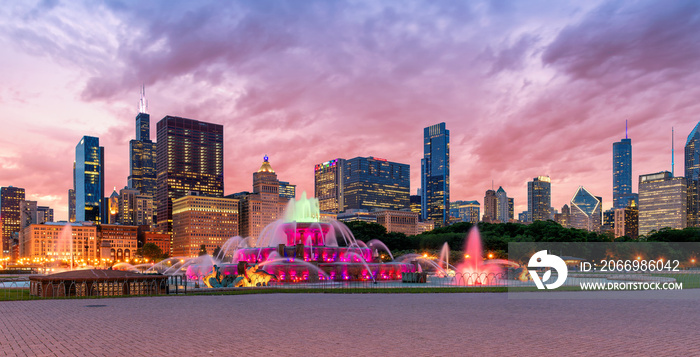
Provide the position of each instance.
(174, 197)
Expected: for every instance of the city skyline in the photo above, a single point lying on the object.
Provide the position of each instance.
(517, 97)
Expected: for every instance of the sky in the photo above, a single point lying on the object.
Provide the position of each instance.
(526, 88)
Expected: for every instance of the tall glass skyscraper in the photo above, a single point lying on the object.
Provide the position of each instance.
(190, 157)
(10, 214)
(692, 176)
(435, 174)
(539, 198)
(89, 179)
(373, 183)
(622, 173)
(142, 154)
(586, 211)
(328, 185)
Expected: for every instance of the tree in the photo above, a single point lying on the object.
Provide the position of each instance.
(202, 250)
(216, 252)
(150, 251)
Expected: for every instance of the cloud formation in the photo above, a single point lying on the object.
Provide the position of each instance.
(525, 89)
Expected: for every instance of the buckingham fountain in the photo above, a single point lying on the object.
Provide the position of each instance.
(300, 248)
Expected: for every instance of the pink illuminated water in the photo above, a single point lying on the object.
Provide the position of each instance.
(474, 269)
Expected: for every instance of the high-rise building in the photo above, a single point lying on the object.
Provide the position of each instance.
(414, 201)
(71, 199)
(435, 174)
(190, 158)
(328, 185)
(539, 198)
(608, 219)
(662, 202)
(288, 190)
(504, 209)
(135, 208)
(44, 214)
(627, 221)
(586, 211)
(465, 211)
(89, 179)
(372, 183)
(692, 176)
(142, 153)
(199, 220)
(490, 206)
(263, 206)
(10, 217)
(622, 171)
(563, 218)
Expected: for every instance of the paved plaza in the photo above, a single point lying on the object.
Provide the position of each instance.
(477, 324)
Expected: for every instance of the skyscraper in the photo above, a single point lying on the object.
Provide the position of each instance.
(465, 211)
(539, 198)
(622, 171)
(663, 202)
(490, 206)
(435, 174)
(288, 190)
(10, 216)
(504, 205)
(142, 153)
(372, 183)
(627, 221)
(586, 211)
(190, 157)
(328, 185)
(692, 176)
(89, 179)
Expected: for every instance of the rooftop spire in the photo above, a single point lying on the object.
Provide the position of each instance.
(673, 159)
(143, 103)
(626, 129)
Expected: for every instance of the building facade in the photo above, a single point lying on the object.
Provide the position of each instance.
(465, 211)
(10, 215)
(60, 241)
(504, 206)
(371, 183)
(490, 206)
(662, 202)
(121, 239)
(414, 204)
(405, 222)
(435, 174)
(328, 185)
(586, 211)
(201, 220)
(189, 158)
(539, 198)
(288, 190)
(692, 176)
(627, 222)
(135, 208)
(162, 240)
(89, 180)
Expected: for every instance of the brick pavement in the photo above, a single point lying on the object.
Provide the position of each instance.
(352, 325)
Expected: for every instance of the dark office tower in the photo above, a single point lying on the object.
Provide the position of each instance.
(142, 153)
(414, 201)
(328, 185)
(372, 183)
(622, 172)
(89, 179)
(10, 198)
(287, 190)
(692, 176)
(190, 158)
(435, 174)
(539, 198)
(71, 205)
(490, 206)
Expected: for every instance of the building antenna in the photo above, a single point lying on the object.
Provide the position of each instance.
(143, 103)
(626, 129)
(673, 159)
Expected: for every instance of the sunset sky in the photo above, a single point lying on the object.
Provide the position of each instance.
(526, 88)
